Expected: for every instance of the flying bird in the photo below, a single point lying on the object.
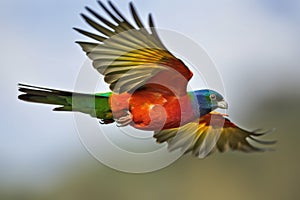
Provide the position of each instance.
(148, 89)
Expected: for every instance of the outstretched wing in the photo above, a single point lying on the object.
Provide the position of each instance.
(213, 131)
(131, 56)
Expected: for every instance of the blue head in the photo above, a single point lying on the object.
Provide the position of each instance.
(208, 100)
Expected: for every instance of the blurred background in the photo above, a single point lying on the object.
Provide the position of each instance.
(255, 45)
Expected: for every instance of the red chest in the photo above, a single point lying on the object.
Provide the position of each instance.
(153, 110)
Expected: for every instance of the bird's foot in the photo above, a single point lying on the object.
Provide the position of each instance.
(106, 121)
(124, 120)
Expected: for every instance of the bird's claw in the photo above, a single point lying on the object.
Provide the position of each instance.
(125, 120)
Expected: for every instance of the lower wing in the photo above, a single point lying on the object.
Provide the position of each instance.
(212, 132)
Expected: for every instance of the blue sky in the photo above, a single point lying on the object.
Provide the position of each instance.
(254, 44)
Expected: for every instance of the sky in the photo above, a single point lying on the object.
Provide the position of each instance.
(254, 44)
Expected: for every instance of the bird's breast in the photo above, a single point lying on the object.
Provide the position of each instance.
(153, 110)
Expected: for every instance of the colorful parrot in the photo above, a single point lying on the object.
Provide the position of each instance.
(149, 89)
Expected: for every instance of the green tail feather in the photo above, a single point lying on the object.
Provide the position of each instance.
(96, 105)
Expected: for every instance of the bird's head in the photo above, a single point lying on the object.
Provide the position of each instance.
(209, 100)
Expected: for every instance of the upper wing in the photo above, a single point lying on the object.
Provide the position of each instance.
(213, 131)
(131, 56)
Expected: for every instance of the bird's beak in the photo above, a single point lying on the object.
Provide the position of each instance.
(222, 104)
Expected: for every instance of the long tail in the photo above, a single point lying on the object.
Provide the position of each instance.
(96, 105)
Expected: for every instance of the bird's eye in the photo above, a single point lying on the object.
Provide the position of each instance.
(213, 97)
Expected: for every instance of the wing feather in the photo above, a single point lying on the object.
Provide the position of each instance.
(91, 35)
(212, 132)
(102, 19)
(123, 49)
(136, 17)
